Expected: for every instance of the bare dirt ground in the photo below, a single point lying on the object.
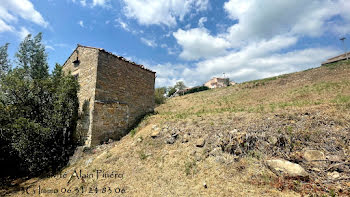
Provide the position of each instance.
(217, 142)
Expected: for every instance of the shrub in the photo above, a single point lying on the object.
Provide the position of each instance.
(159, 95)
(196, 89)
(38, 113)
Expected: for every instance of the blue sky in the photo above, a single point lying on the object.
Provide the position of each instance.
(188, 40)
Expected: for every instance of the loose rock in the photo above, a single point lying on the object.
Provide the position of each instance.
(155, 134)
(286, 168)
(185, 138)
(313, 155)
(170, 140)
(200, 142)
(272, 140)
(333, 175)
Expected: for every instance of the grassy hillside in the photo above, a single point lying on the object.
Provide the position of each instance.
(216, 142)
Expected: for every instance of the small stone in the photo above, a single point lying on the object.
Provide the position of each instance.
(174, 135)
(205, 185)
(110, 141)
(139, 139)
(334, 158)
(170, 140)
(286, 168)
(87, 162)
(200, 142)
(272, 140)
(316, 169)
(238, 151)
(333, 175)
(233, 131)
(185, 138)
(313, 155)
(220, 159)
(154, 127)
(155, 134)
(216, 152)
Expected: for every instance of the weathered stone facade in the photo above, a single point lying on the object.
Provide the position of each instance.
(114, 93)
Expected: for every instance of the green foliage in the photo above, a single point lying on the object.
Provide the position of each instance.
(133, 132)
(180, 85)
(171, 91)
(190, 167)
(342, 101)
(4, 62)
(196, 89)
(32, 57)
(159, 95)
(38, 116)
(143, 155)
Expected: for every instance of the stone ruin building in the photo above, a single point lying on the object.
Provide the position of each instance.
(114, 93)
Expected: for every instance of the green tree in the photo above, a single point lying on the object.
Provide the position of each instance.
(4, 62)
(32, 57)
(38, 113)
(180, 85)
(171, 91)
(159, 95)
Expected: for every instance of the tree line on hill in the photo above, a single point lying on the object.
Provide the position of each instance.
(38, 111)
(179, 88)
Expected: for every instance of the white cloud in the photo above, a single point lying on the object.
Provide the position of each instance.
(259, 42)
(168, 74)
(264, 19)
(5, 27)
(49, 47)
(202, 21)
(122, 24)
(81, 23)
(23, 33)
(9, 10)
(83, 3)
(161, 12)
(102, 3)
(198, 43)
(148, 42)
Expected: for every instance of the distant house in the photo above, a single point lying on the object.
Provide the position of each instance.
(217, 82)
(337, 58)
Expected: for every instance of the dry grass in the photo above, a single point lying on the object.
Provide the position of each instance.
(276, 106)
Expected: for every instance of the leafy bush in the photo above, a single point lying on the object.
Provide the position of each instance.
(196, 89)
(159, 95)
(38, 113)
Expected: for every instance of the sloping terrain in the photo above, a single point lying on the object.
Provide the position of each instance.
(217, 142)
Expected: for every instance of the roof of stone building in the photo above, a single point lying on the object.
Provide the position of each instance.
(117, 56)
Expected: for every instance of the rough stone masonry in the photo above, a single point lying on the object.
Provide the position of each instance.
(114, 93)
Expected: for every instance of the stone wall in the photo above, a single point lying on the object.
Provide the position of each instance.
(128, 85)
(113, 95)
(110, 121)
(86, 73)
